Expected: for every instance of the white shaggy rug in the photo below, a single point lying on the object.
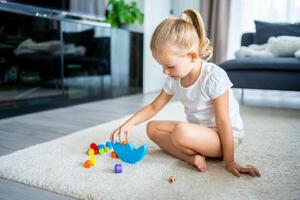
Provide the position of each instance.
(272, 144)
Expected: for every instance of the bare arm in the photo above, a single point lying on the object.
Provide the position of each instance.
(226, 135)
(224, 126)
(143, 114)
(150, 110)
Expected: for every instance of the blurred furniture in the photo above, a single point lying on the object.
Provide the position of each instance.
(51, 58)
(95, 61)
(278, 73)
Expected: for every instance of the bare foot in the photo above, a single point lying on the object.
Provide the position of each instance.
(200, 162)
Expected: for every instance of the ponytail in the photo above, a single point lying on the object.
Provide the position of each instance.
(205, 49)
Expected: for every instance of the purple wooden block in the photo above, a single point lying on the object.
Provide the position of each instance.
(118, 168)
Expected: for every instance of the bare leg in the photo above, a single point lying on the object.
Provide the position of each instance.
(161, 133)
(193, 137)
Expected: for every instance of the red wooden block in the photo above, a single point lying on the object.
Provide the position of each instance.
(94, 146)
(96, 151)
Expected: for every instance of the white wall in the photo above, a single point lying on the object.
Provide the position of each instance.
(155, 11)
(178, 6)
(120, 57)
(138, 27)
(120, 48)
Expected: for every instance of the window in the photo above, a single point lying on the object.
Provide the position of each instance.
(244, 12)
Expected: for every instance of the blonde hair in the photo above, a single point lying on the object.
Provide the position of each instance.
(185, 33)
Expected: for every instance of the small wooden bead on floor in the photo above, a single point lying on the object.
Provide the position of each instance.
(172, 179)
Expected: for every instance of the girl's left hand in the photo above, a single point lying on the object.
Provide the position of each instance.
(236, 169)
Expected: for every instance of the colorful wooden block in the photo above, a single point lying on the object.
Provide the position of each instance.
(93, 160)
(109, 144)
(114, 155)
(101, 146)
(106, 149)
(93, 146)
(118, 168)
(124, 142)
(87, 164)
(91, 152)
(101, 151)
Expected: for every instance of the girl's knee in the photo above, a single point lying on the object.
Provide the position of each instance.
(180, 134)
(151, 127)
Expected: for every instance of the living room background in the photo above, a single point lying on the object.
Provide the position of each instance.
(244, 12)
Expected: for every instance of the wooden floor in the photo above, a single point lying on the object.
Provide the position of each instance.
(24, 131)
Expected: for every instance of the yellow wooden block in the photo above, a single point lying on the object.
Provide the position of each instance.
(91, 152)
(106, 149)
(93, 160)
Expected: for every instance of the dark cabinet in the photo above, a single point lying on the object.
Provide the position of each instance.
(51, 60)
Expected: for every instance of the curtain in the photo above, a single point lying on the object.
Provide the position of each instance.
(244, 12)
(216, 15)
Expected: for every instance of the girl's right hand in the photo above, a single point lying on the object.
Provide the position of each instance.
(236, 169)
(119, 132)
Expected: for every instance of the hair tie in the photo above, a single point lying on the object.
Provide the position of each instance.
(185, 17)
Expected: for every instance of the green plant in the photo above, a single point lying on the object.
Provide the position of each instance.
(122, 13)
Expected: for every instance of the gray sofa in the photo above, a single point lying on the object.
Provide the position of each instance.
(279, 73)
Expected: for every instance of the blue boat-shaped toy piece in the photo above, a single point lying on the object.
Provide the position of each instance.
(128, 153)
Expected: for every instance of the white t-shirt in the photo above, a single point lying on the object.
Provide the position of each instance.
(197, 98)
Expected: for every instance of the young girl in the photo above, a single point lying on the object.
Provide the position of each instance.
(214, 127)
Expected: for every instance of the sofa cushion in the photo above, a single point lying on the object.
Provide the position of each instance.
(272, 64)
(264, 30)
(247, 39)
